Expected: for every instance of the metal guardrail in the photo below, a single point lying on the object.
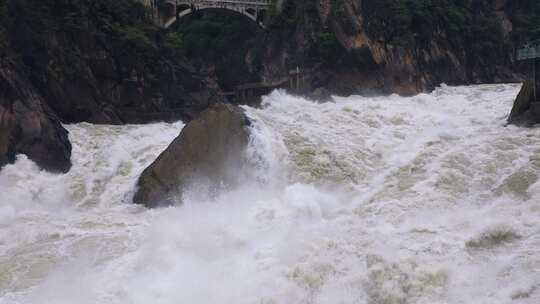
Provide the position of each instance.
(220, 2)
(529, 51)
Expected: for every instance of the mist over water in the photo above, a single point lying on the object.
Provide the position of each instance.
(428, 199)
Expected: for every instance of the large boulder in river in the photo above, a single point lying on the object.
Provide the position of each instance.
(526, 111)
(207, 156)
(27, 126)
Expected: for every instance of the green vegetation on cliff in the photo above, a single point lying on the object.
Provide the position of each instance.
(4, 21)
(302, 16)
(471, 26)
(454, 41)
(218, 41)
(123, 22)
(526, 21)
(101, 61)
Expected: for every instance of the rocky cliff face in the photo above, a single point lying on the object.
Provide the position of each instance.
(405, 47)
(27, 126)
(100, 62)
(104, 63)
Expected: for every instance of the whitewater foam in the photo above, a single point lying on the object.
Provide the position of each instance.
(425, 199)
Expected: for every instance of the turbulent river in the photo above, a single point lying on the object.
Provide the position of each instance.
(428, 199)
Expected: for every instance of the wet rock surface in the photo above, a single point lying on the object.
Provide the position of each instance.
(526, 111)
(109, 84)
(27, 126)
(366, 59)
(207, 156)
(86, 71)
(92, 71)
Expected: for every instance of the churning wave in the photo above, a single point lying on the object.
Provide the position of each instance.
(427, 199)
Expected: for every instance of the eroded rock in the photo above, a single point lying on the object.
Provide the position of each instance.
(526, 111)
(27, 126)
(208, 154)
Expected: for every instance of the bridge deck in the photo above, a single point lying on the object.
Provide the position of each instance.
(165, 12)
(224, 3)
(227, 3)
(246, 2)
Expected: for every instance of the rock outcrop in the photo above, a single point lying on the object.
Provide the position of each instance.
(208, 154)
(377, 46)
(526, 110)
(27, 126)
(88, 70)
(98, 62)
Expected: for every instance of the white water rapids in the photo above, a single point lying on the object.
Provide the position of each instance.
(384, 200)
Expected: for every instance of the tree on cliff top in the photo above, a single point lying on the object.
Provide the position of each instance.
(526, 21)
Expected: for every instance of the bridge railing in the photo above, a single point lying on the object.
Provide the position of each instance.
(245, 2)
(165, 15)
(528, 53)
(530, 50)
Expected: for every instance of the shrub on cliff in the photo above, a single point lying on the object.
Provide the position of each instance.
(326, 47)
(102, 61)
(404, 22)
(217, 40)
(124, 22)
(4, 24)
(526, 21)
(320, 45)
(471, 27)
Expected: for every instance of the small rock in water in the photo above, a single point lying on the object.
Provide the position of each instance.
(526, 110)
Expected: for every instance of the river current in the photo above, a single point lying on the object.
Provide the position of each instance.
(429, 199)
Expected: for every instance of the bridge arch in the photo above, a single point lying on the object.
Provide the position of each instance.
(166, 12)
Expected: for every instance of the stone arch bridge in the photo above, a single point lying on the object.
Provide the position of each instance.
(166, 12)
